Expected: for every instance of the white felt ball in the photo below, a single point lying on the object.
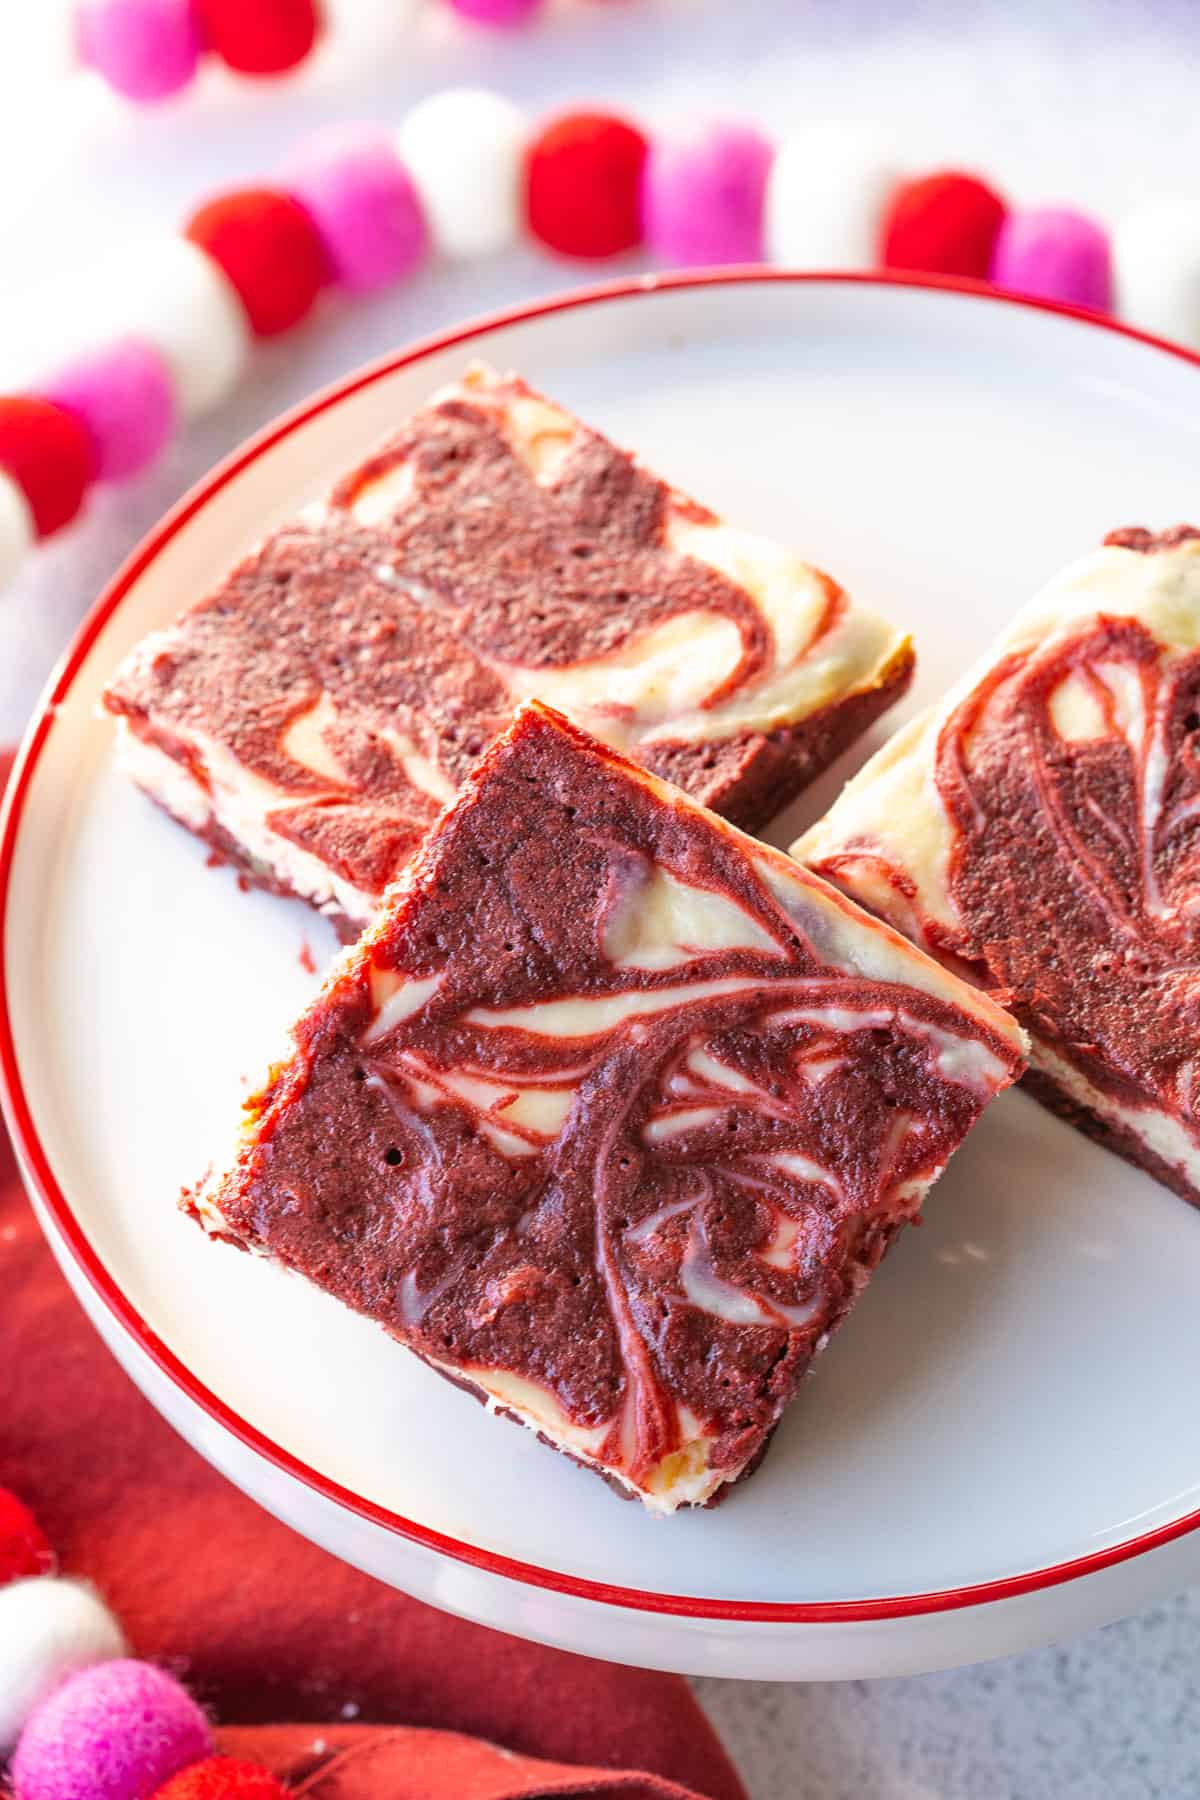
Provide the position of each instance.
(359, 33)
(826, 194)
(16, 528)
(463, 149)
(48, 1630)
(1156, 262)
(175, 296)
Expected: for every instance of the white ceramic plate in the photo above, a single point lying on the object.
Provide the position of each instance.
(1000, 1447)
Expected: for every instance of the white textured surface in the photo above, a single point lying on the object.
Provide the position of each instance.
(1088, 102)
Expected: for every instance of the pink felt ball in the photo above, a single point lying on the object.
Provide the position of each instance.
(116, 1731)
(364, 204)
(124, 398)
(496, 12)
(702, 195)
(145, 49)
(1054, 253)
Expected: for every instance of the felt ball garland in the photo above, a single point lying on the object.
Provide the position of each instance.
(944, 224)
(150, 50)
(259, 37)
(222, 1778)
(704, 193)
(583, 183)
(16, 528)
(24, 1547)
(124, 398)
(827, 191)
(464, 149)
(1054, 254)
(47, 452)
(79, 1718)
(353, 187)
(48, 1630)
(269, 249)
(115, 1731)
(146, 50)
(357, 208)
(496, 12)
(1156, 258)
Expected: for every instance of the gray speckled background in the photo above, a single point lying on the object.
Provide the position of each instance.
(1097, 102)
(1112, 1716)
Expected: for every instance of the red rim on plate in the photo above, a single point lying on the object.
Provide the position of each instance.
(36, 1163)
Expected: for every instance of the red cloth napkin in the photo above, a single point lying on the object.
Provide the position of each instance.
(402, 1763)
(266, 1627)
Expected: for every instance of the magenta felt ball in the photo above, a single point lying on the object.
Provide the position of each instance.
(364, 204)
(124, 397)
(1054, 254)
(496, 12)
(116, 1731)
(702, 195)
(145, 49)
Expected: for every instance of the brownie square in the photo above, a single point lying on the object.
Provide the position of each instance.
(610, 1114)
(312, 716)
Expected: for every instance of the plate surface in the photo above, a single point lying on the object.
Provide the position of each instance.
(1009, 1394)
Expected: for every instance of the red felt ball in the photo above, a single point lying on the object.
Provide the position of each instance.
(222, 1778)
(269, 248)
(260, 37)
(583, 179)
(48, 453)
(24, 1548)
(943, 224)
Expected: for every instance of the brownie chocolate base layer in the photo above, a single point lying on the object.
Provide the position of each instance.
(610, 1114)
(611, 1480)
(1115, 1137)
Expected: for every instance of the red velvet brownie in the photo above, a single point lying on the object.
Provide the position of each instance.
(611, 1113)
(312, 716)
(1040, 831)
